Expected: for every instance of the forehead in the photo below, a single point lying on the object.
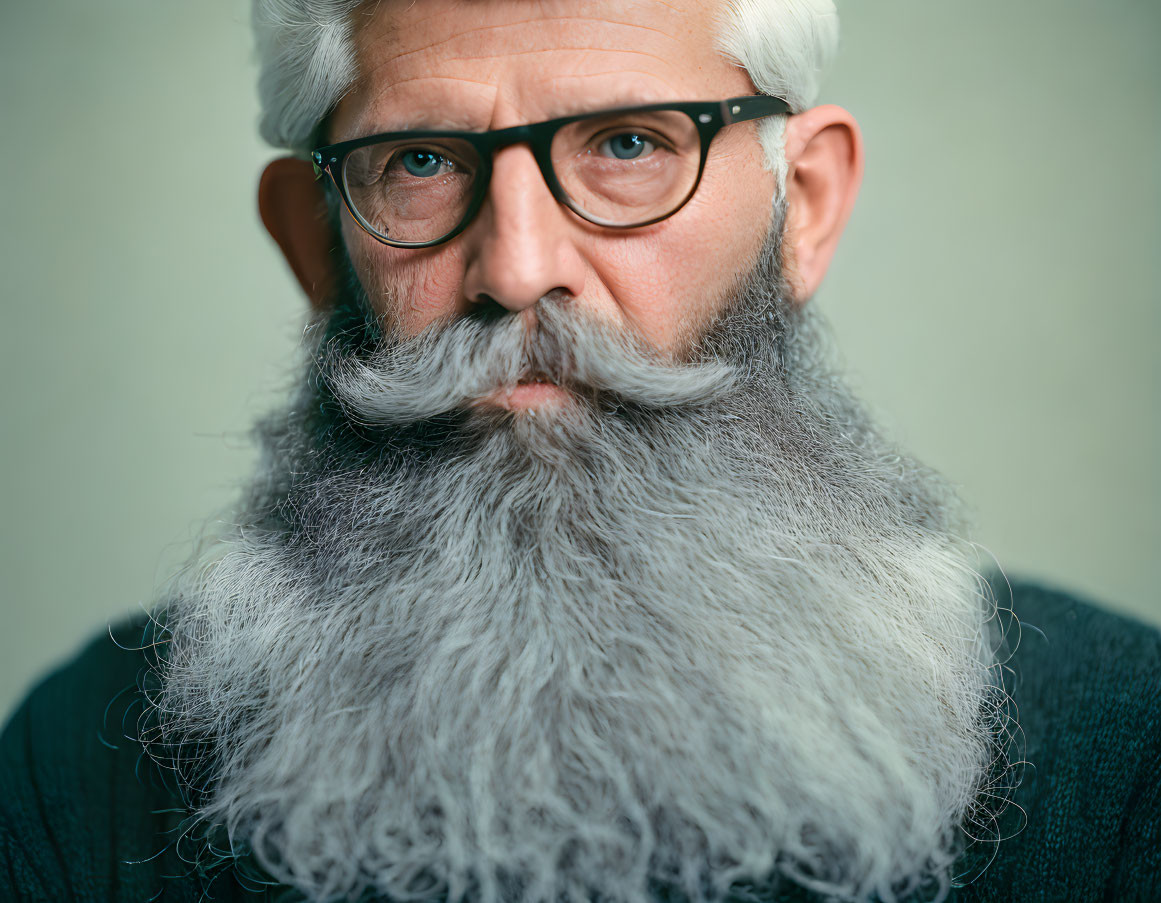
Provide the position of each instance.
(481, 64)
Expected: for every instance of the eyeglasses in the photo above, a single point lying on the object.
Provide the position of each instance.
(621, 168)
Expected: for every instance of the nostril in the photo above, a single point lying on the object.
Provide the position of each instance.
(558, 295)
(487, 308)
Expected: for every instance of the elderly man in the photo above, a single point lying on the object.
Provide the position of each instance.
(572, 572)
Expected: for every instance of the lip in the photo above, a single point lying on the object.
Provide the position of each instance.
(528, 393)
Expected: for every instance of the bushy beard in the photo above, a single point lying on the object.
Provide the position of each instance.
(696, 630)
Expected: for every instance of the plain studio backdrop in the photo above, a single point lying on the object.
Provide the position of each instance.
(995, 296)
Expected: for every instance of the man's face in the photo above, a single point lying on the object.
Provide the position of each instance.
(700, 625)
(491, 64)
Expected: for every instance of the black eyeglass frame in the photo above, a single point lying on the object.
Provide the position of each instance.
(710, 117)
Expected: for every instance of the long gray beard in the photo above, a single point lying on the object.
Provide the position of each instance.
(697, 630)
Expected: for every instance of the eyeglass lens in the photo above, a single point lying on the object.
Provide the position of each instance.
(617, 169)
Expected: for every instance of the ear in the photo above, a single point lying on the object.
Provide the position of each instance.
(824, 156)
(294, 211)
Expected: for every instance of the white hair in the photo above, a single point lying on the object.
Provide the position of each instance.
(786, 47)
(307, 60)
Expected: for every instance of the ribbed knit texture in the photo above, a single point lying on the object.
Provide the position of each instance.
(86, 817)
(1087, 685)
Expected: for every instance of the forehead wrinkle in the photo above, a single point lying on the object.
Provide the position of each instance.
(651, 83)
(477, 29)
(496, 56)
(638, 94)
(469, 79)
(603, 72)
(440, 78)
(392, 110)
(529, 53)
(364, 123)
(430, 47)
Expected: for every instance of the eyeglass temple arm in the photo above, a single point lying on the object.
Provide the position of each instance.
(743, 109)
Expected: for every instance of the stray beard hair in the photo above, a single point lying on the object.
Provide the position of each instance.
(698, 629)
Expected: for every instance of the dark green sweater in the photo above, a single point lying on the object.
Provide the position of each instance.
(87, 817)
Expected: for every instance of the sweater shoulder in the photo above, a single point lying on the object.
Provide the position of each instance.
(84, 813)
(1086, 684)
(1085, 690)
(72, 710)
(1069, 648)
(1068, 615)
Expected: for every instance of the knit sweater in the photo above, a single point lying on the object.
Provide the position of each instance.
(86, 816)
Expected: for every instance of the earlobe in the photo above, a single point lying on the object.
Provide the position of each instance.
(824, 155)
(294, 211)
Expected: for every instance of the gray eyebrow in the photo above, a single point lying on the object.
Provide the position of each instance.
(448, 123)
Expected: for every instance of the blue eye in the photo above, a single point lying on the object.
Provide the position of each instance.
(626, 146)
(423, 164)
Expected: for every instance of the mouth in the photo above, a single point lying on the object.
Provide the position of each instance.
(531, 391)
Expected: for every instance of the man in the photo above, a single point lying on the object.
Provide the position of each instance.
(572, 572)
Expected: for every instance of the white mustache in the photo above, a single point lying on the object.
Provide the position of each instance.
(447, 367)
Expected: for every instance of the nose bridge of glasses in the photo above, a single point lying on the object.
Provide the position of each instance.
(538, 137)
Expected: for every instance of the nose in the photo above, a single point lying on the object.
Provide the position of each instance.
(521, 245)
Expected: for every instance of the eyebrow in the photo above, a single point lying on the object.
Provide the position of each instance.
(450, 123)
(616, 100)
(439, 123)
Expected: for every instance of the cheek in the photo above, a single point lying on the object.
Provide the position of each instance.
(656, 282)
(671, 280)
(411, 289)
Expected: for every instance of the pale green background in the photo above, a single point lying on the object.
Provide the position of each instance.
(996, 294)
